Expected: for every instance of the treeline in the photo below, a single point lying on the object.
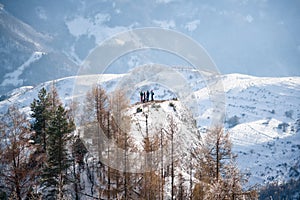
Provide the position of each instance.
(274, 191)
(45, 159)
(35, 158)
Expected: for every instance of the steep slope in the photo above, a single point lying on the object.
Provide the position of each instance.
(25, 53)
(158, 118)
(12, 78)
(262, 115)
(17, 42)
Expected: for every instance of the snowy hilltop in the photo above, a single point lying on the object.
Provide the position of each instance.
(262, 118)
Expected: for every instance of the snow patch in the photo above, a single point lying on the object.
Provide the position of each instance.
(193, 25)
(93, 26)
(12, 78)
(168, 24)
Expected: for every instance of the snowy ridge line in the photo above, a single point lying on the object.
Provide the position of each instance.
(260, 132)
(261, 108)
(154, 101)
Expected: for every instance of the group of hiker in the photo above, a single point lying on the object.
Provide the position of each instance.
(145, 96)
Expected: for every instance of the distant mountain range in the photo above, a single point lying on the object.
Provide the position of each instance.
(66, 31)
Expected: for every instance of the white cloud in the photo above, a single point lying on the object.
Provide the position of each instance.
(163, 1)
(249, 18)
(193, 25)
(169, 24)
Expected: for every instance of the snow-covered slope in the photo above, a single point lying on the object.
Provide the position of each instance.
(12, 78)
(73, 28)
(158, 113)
(25, 53)
(262, 115)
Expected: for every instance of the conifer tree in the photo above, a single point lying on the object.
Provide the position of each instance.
(56, 124)
(58, 132)
(40, 113)
(77, 166)
(44, 111)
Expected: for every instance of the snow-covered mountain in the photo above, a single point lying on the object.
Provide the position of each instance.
(66, 31)
(27, 57)
(262, 115)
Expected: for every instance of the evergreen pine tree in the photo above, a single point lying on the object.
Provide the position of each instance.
(57, 156)
(78, 153)
(40, 113)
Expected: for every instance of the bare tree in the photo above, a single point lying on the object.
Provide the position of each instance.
(15, 153)
(181, 191)
(106, 114)
(121, 126)
(96, 117)
(217, 172)
(96, 106)
(151, 179)
(171, 131)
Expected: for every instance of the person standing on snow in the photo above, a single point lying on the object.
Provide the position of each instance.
(148, 94)
(152, 95)
(141, 95)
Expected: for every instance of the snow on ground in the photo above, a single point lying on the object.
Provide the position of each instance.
(265, 135)
(69, 89)
(262, 115)
(157, 118)
(12, 78)
(93, 27)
